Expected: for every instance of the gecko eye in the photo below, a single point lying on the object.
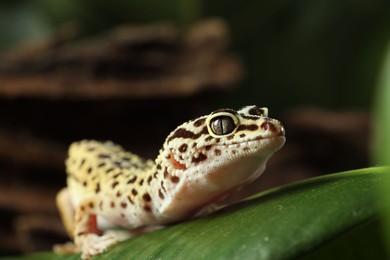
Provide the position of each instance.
(222, 125)
(222, 122)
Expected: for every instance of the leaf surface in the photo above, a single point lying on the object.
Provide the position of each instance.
(282, 223)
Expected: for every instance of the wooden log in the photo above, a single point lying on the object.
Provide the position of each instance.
(25, 149)
(131, 61)
(25, 198)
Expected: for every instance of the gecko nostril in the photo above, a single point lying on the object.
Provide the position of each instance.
(268, 126)
(264, 126)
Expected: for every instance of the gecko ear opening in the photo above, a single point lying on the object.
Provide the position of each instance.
(221, 124)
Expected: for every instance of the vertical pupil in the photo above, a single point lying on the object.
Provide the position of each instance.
(225, 125)
(222, 125)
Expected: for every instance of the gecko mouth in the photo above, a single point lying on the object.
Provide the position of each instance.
(273, 139)
(256, 139)
(254, 146)
(279, 136)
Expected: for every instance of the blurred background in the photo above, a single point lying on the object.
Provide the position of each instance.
(131, 71)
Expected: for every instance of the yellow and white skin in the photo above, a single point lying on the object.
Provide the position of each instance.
(113, 194)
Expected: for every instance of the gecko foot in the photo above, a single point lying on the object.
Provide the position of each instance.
(93, 244)
(67, 248)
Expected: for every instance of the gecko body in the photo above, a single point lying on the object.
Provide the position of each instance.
(112, 194)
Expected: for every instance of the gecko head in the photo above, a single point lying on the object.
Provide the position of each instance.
(226, 148)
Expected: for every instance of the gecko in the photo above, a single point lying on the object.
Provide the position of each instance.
(113, 194)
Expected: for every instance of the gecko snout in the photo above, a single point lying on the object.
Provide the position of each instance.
(273, 127)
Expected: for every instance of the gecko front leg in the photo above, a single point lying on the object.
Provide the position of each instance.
(67, 215)
(87, 236)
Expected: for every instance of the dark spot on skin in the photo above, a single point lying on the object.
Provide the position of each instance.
(123, 215)
(165, 173)
(114, 184)
(234, 152)
(104, 156)
(91, 205)
(149, 179)
(168, 156)
(246, 149)
(175, 179)
(134, 192)
(132, 180)
(217, 140)
(207, 147)
(91, 149)
(208, 138)
(82, 208)
(89, 170)
(97, 189)
(217, 152)
(147, 209)
(242, 135)
(255, 111)
(85, 184)
(162, 186)
(160, 194)
(141, 182)
(100, 165)
(116, 175)
(130, 200)
(82, 163)
(118, 164)
(183, 133)
(201, 157)
(158, 167)
(118, 194)
(199, 122)
(146, 197)
(230, 137)
(248, 127)
(123, 205)
(194, 144)
(109, 170)
(155, 174)
(250, 117)
(228, 110)
(112, 204)
(81, 233)
(183, 148)
(101, 205)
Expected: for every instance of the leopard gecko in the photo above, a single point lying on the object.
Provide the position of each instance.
(113, 194)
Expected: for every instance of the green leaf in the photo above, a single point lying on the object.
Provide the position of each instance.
(382, 129)
(382, 114)
(364, 242)
(282, 223)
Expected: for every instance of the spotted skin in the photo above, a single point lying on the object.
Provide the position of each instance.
(201, 161)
